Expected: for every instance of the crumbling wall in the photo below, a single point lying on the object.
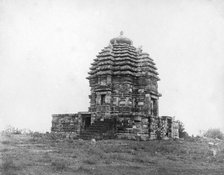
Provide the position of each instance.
(127, 127)
(154, 128)
(147, 128)
(175, 129)
(66, 123)
(136, 127)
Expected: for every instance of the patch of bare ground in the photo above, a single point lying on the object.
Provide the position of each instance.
(48, 154)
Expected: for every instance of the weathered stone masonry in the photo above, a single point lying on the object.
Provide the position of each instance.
(124, 97)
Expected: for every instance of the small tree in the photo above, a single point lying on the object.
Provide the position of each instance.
(214, 133)
(182, 132)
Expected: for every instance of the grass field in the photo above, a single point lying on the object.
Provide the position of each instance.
(45, 155)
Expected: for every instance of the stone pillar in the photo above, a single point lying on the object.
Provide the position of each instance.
(156, 107)
(147, 104)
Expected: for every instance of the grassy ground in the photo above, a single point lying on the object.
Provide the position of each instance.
(45, 155)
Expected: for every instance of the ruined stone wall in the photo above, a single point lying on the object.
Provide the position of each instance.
(154, 127)
(147, 128)
(175, 129)
(133, 128)
(66, 123)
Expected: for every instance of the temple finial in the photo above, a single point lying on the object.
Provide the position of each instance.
(121, 33)
(139, 49)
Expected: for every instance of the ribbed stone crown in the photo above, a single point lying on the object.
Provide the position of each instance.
(121, 58)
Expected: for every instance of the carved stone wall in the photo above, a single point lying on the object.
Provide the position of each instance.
(71, 122)
(66, 123)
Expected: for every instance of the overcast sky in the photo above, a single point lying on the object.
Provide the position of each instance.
(47, 46)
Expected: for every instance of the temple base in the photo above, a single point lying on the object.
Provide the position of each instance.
(133, 127)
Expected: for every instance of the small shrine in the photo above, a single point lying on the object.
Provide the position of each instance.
(124, 98)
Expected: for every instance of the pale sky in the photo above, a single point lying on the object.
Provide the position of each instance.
(47, 46)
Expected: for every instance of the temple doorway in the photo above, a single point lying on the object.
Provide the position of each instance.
(169, 127)
(86, 122)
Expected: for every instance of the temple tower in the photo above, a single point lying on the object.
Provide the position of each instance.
(123, 81)
(124, 98)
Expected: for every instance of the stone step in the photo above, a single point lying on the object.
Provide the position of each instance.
(98, 130)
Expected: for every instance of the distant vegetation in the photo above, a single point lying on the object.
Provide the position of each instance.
(14, 130)
(214, 133)
(182, 132)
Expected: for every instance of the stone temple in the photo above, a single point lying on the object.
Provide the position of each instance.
(124, 98)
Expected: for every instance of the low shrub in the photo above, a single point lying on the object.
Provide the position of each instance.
(12, 130)
(214, 133)
(59, 164)
(96, 151)
(90, 161)
(108, 161)
(37, 134)
(182, 131)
